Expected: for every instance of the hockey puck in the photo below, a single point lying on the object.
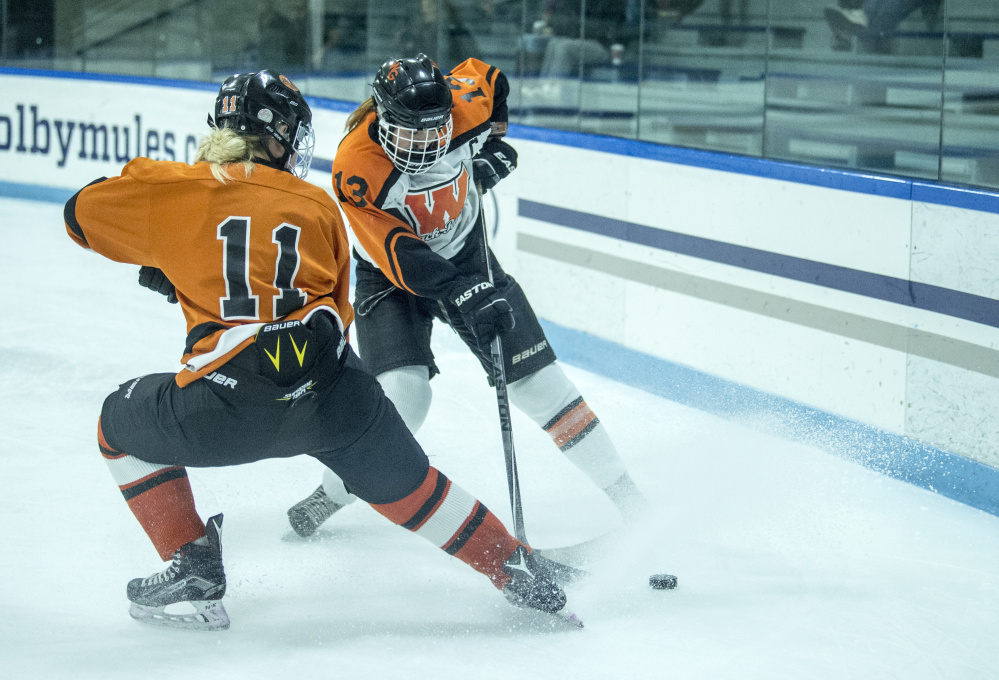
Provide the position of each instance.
(662, 581)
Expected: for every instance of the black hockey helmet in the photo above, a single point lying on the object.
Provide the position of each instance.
(412, 93)
(267, 104)
(413, 102)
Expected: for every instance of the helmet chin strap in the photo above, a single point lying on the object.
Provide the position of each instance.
(271, 163)
(278, 163)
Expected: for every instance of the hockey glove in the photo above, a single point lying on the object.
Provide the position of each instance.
(494, 162)
(483, 309)
(154, 279)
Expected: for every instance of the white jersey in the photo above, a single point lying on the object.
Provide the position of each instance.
(441, 205)
(410, 226)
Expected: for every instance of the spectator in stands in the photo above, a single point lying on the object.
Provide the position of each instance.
(297, 49)
(439, 32)
(605, 31)
(725, 8)
(275, 30)
(675, 11)
(284, 39)
(28, 29)
(726, 36)
(344, 41)
(874, 21)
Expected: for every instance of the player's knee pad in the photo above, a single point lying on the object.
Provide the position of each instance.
(543, 394)
(409, 390)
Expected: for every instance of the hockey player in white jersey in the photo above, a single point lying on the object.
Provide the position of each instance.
(405, 175)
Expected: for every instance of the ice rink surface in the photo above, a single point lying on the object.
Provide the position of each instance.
(792, 563)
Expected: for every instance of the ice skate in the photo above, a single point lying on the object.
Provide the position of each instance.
(307, 515)
(195, 578)
(562, 574)
(532, 586)
(630, 501)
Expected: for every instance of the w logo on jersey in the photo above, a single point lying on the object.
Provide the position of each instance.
(434, 212)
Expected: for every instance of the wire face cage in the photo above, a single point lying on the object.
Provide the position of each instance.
(414, 150)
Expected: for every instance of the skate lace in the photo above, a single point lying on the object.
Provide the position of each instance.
(167, 574)
(319, 507)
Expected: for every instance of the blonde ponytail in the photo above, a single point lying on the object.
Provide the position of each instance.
(360, 113)
(223, 147)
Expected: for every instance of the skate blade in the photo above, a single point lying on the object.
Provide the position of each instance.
(207, 615)
(570, 618)
(562, 574)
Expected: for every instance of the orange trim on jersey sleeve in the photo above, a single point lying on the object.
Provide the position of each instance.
(76, 239)
(378, 232)
(473, 100)
(397, 276)
(360, 171)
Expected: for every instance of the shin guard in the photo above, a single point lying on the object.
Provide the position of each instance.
(552, 401)
(159, 496)
(450, 518)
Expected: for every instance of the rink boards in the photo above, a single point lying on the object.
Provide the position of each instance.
(862, 309)
(871, 298)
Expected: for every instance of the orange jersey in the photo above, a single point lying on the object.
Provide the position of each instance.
(241, 254)
(409, 226)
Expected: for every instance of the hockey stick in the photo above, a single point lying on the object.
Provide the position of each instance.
(581, 553)
(503, 400)
(556, 559)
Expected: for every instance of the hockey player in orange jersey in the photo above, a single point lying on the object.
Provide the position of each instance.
(259, 262)
(406, 175)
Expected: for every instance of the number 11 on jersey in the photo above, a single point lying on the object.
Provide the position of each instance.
(239, 301)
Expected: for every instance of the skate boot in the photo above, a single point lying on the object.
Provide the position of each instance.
(561, 573)
(628, 498)
(532, 586)
(195, 578)
(306, 515)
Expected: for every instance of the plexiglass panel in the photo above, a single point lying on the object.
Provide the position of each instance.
(905, 87)
(702, 74)
(970, 152)
(862, 90)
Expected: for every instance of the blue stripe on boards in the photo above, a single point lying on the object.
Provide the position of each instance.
(322, 164)
(331, 104)
(900, 291)
(896, 456)
(35, 192)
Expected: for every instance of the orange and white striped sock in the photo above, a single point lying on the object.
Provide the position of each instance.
(453, 520)
(577, 432)
(552, 401)
(159, 496)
